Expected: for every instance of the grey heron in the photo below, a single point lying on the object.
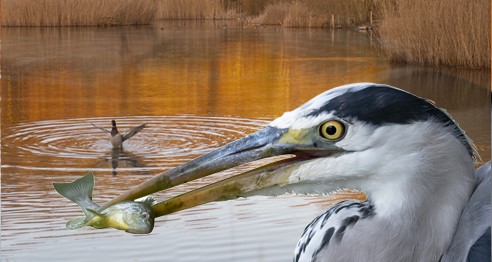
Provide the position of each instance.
(118, 138)
(413, 161)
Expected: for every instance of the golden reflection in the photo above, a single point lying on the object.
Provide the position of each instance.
(72, 72)
(57, 73)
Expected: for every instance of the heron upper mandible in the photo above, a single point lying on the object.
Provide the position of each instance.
(425, 202)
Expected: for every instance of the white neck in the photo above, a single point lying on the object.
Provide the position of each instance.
(418, 188)
(425, 201)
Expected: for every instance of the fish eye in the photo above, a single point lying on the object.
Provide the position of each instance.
(332, 130)
(145, 215)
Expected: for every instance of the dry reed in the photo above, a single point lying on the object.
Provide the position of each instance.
(76, 12)
(290, 15)
(249, 7)
(317, 13)
(453, 32)
(193, 9)
(347, 13)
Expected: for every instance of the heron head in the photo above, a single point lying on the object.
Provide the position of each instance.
(357, 131)
(341, 137)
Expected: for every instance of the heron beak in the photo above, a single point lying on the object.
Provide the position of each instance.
(274, 175)
(265, 143)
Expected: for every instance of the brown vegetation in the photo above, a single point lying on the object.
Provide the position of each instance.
(76, 12)
(288, 13)
(291, 15)
(453, 32)
(317, 13)
(193, 9)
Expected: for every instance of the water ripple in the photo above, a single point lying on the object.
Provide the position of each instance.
(74, 144)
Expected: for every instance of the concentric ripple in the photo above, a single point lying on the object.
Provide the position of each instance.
(74, 144)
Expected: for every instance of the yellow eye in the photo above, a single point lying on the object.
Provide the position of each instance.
(332, 130)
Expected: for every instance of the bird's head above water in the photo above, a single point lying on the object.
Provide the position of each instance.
(360, 136)
(114, 129)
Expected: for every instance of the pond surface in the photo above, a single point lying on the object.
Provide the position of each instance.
(198, 85)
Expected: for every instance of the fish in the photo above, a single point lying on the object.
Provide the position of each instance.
(135, 217)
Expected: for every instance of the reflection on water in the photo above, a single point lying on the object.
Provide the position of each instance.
(120, 71)
(125, 157)
(75, 145)
(198, 86)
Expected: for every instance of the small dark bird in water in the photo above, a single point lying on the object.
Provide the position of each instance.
(118, 138)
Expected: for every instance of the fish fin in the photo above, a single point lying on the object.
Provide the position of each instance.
(77, 222)
(80, 222)
(147, 201)
(79, 191)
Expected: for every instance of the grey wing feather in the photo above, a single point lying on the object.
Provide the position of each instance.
(480, 251)
(468, 241)
(102, 129)
(329, 228)
(133, 131)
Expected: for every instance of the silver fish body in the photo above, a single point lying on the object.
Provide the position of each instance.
(131, 216)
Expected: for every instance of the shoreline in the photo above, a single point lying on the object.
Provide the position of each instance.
(409, 32)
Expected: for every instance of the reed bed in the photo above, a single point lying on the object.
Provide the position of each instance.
(249, 8)
(317, 13)
(194, 10)
(77, 12)
(290, 15)
(451, 33)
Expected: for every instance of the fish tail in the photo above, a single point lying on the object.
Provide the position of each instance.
(79, 192)
(77, 222)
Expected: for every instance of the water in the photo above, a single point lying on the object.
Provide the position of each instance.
(198, 86)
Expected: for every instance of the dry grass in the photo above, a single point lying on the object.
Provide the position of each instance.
(194, 9)
(317, 13)
(290, 15)
(249, 7)
(347, 13)
(453, 32)
(76, 12)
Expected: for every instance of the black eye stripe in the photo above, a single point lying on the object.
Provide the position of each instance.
(382, 105)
